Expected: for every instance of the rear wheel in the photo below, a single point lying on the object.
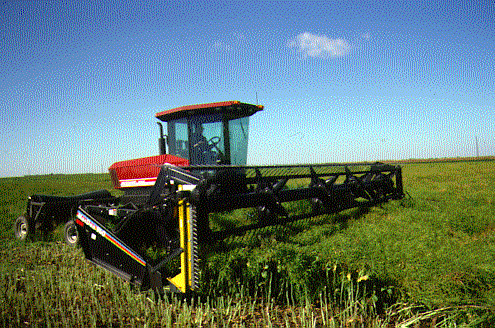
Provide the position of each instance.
(70, 233)
(21, 227)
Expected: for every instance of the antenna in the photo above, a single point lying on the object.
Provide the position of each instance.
(256, 98)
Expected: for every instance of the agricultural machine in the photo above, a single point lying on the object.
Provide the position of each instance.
(171, 202)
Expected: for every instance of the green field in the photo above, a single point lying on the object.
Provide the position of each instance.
(421, 262)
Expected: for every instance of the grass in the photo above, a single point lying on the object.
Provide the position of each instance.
(428, 261)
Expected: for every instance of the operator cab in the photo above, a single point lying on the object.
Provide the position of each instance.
(208, 134)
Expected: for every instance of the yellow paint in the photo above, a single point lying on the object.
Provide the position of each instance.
(183, 280)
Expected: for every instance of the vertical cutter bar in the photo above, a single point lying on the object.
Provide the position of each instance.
(187, 279)
(193, 249)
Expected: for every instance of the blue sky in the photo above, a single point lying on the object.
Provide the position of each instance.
(80, 81)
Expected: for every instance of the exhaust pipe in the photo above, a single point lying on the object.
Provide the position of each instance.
(161, 140)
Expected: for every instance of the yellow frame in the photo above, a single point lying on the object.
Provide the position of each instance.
(183, 281)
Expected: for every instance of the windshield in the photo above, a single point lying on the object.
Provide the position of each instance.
(206, 139)
(178, 140)
(198, 139)
(201, 140)
(238, 132)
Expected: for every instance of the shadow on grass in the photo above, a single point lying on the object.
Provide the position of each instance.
(322, 226)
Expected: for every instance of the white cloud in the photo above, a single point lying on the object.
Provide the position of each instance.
(320, 46)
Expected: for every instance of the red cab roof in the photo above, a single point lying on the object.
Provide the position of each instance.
(234, 109)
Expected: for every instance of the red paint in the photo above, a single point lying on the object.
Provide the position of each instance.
(80, 222)
(199, 106)
(142, 168)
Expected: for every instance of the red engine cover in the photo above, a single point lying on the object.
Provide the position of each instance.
(141, 172)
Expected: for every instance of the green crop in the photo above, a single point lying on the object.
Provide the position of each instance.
(425, 261)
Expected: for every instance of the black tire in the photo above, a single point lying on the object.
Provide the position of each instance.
(70, 234)
(22, 228)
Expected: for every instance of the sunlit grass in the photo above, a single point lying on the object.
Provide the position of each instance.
(429, 260)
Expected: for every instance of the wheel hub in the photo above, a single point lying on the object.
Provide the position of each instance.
(72, 235)
(23, 230)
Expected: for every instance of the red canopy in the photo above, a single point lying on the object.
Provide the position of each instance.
(234, 109)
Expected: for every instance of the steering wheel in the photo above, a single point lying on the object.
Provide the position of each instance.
(214, 141)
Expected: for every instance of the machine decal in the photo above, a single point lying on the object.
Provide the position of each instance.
(94, 226)
(142, 182)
